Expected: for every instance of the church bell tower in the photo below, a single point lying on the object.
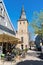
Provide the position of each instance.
(23, 34)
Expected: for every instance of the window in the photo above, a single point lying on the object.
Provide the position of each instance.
(5, 23)
(22, 39)
(0, 10)
(24, 22)
(20, 22)
(22, 46)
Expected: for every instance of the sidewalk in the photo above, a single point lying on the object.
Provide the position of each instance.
(19, 60)
(30, 51)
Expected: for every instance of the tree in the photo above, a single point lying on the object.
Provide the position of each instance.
(37, 23)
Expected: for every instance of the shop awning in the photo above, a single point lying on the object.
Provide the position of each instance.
(9, 39)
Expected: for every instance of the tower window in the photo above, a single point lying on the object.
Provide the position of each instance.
(24, 22)
(20, 22)
(22, 39)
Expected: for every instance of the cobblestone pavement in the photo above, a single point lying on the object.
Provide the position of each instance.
(33, 53)
(18, 60)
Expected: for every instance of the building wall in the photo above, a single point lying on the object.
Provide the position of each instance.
(4, 19)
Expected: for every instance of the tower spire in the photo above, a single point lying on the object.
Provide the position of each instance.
(22, 8)
(23, 15)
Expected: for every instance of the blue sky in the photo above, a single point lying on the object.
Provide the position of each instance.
(14, 9)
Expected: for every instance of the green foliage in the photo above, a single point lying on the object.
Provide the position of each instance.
(37, 22)
(2, 56)
(16, 51)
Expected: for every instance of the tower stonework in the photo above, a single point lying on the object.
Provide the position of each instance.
(22, 32)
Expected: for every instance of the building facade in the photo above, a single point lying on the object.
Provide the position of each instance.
(5, 22)
(22, 31)
(6, 29)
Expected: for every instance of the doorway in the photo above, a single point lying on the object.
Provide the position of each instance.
(4, 48)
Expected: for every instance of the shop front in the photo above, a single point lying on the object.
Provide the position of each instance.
(7, 43)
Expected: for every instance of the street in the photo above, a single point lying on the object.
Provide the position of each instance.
(31, 62)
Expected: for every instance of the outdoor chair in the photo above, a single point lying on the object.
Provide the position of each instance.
(23, 55)
(13, 61)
